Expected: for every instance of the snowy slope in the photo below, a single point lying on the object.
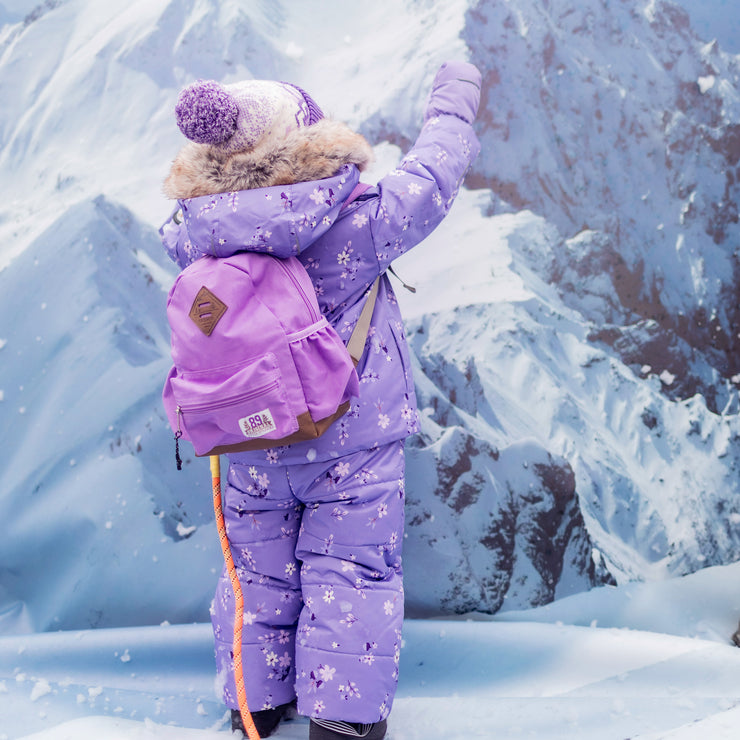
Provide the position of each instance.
(639, 661)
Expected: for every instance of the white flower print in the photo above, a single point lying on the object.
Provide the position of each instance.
(341, 469)
(318, 707)
(414, 188)
(272, 456)
(359, 220)
(343, 432)
(388, 607)
(329, 595)
(249, 618)
(305, 632)
(349, 691)
(383, 420)
(382, 510)
(207, 208)
(246, 555)
(343, 256)
(290, 569)
(327, 673)
(349, 620)
(320, 676)
(317, 196)
(271, 658)
(365, 476)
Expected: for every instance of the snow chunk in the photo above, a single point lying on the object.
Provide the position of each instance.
(667, 378)
(706, 83)
(184, 531)
(40, 688)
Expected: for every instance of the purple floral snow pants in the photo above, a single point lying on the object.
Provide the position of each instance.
(318, 551)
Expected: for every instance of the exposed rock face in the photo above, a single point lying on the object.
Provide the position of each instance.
(614, 120)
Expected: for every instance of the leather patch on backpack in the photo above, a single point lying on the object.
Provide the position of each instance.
(207, 310)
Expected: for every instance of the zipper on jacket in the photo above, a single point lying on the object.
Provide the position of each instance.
(314, 315)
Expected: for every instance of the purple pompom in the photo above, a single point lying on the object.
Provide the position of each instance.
(206, 113)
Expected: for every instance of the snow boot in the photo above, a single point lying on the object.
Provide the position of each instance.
(326, 729)
(266, 720)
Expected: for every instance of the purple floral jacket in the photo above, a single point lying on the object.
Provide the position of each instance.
(344, 250)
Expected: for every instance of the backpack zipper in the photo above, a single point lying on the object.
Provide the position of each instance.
(198, 408)
(203, 407)
(314, 315)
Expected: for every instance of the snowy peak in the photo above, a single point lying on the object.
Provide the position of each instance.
(617, 119)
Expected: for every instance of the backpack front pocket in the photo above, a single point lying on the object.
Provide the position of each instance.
(233, 405)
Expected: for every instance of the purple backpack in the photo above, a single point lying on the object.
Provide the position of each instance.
(256, 365)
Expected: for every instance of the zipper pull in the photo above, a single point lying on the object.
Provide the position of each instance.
(178, 434)
(410, 288)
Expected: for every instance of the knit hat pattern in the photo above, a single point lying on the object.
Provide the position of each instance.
(243, 116)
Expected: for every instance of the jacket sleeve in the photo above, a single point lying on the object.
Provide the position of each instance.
(413, 199)
(176, 243)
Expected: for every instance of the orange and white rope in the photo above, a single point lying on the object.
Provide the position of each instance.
(241, 693)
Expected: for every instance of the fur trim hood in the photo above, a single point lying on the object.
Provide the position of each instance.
(309, 153)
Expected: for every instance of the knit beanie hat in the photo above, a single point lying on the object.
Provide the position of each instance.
(243, 116)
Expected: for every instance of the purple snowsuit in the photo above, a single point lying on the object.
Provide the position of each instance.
(316, 527)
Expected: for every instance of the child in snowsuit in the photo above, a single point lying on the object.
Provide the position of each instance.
(316, 527)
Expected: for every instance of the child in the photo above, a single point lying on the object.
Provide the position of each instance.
(316, 527)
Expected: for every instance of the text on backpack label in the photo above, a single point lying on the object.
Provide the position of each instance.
(257, 424)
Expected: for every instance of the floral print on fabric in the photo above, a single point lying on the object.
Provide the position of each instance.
(318, 551)
(316, 527)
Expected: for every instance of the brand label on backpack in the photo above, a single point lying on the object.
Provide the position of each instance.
(257, 424)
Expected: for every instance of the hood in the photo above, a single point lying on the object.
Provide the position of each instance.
(309, 153)
(279, 220)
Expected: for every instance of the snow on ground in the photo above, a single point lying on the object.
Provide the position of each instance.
(641, 661)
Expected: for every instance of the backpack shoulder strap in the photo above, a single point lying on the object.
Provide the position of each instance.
(356, 343)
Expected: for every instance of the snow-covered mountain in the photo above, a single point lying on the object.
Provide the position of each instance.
(574, 328)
